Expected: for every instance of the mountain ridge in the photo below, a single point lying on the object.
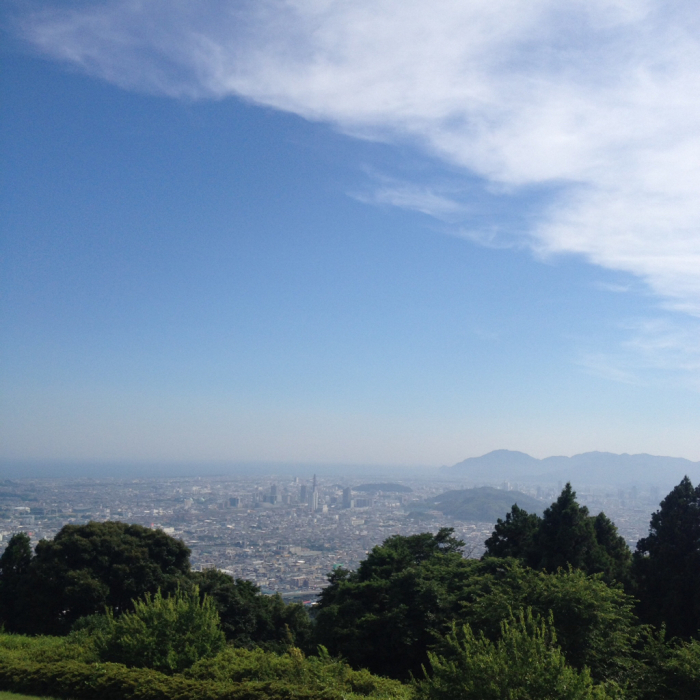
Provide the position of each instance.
(604, 468)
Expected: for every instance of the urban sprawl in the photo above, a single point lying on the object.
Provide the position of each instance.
(283, 533)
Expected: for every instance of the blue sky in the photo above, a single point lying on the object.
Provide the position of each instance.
(365, 232)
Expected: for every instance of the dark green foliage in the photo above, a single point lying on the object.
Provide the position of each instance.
(383, 616)
(14, 572)
(667, 563)
(595, 623)
(565, 535)
(524, 663)
(86, 568)
(388, 614)
(398, 552)
(166, 634)
(668, 670)
(514, 536)
(249, 618)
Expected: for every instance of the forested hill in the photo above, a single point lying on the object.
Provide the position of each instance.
(604, 468)
(484, 504)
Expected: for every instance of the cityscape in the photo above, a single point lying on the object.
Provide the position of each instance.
(284, 533)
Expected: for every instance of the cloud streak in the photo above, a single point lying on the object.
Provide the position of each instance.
(656, 350)
(599, 100)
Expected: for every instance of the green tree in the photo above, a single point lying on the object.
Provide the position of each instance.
(388, 614)
(566, 535)
(669, 670)
(524, 663)
(86, 568)
(514, 536)
(384, 616)
(14, 572)
(667, 563)
(595, 623)
(167, 634)
(249, 618)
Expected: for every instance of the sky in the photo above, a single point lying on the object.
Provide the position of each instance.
(366, 232)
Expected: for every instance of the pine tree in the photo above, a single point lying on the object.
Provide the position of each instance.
(667, 563)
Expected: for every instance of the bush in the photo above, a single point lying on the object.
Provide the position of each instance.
(47, 649)
(79, 681)
(525, 663)
(166, 634)
(314, 672)
(51, 666)
(595, 623)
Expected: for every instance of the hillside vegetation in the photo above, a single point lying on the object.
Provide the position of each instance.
(484, 504)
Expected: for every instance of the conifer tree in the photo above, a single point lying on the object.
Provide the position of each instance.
(667, 563)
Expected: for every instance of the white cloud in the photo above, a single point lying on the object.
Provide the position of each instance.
(655, 350)
(422, 198)
(600, 99)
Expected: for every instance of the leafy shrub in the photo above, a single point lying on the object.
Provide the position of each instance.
(525, 663)
(47, 649)
(80, 681)
(51, 666)
(166, 634)
(595, 623)
(313, 672)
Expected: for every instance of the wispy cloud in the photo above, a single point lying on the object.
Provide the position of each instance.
(654, 349)
(421, 198)
(600, 99)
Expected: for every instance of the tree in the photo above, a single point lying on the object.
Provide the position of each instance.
(514, 536)
(384, 616)
(566, 535)
(387, 615)
(667, 563)
(249, 618)
(595, 623)
(167, 634)
(525, 662)
(86, 568)
(14, 571)
(669, 670)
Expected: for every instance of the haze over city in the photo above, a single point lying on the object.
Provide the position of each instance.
(331, 233)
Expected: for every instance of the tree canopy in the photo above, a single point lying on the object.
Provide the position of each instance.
(524, 662)
(565, 535)
(389, 614)
(667, 563)
(85, 569)
(250, 619)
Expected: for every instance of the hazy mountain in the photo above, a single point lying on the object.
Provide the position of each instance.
(485, 504)
(604, 468)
